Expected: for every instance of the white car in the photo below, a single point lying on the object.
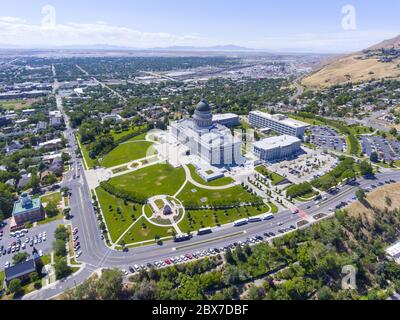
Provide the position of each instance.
(7, 265)
(40, 253)
(78, 254)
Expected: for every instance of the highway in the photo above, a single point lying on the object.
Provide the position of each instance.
(97, 255)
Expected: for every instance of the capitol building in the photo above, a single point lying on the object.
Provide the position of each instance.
(211, 141)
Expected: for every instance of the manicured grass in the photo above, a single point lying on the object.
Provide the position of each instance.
(143, 231)
(53, 197)
(2, 275)
(126, 152)
(160, 179)
(46, 260)
(148, 211)
(116, 223)
(60, 216)
(216, 183)
(56, 199)
(159, 203)
(307, 197)
(226, 196)
(197, 219)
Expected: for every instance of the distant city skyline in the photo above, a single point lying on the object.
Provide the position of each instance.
(285, 26)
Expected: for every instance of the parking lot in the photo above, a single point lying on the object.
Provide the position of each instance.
(40, 237)
(328, 138)
(306, 167)
(386, 150)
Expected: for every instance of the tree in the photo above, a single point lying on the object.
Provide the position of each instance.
(361, 196)
(20, 257)
(15, 286)
(374, 157)
(110, 285)
(34, 276)
(35, 183)
(62, 269)
(61, 233)
(65, 157)
(229, 257)
(59, 248)
(325, 293)
(366, 168)
(51, 209)
(6, 200)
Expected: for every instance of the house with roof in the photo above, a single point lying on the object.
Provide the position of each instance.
(20, 271)
(27, 209)
(12, 147)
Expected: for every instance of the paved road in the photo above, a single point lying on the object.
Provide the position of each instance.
(96, 255)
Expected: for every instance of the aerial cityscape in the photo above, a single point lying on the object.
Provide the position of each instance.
(195, 159)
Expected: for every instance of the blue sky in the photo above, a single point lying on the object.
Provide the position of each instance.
(285, 25)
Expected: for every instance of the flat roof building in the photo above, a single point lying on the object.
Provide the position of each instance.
(226, 119)
(277, 148)
(28, 209)
(278, 123)
(394, 252)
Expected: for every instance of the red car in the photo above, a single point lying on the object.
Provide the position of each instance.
(189, 256)
(168, 262)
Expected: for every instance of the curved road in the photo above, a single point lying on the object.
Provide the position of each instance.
(97, 255)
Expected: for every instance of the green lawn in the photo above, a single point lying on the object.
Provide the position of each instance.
(46, 259)
(14, 104)
(126, 152)
(216, 183)
(160, 179)
(53, 197)
(197, 219)
(192, 195)
(144, 231)
(2, 275)
(116, 223)
(274, 177)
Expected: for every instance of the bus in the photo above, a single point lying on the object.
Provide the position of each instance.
(204, 231)
(241, 222)
(269, 216)
(183, 237)
(255, 219)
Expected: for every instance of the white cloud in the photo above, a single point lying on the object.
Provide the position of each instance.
(18, 32)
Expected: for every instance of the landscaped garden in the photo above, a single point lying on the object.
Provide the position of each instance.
(119, 214)
(145, 231)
